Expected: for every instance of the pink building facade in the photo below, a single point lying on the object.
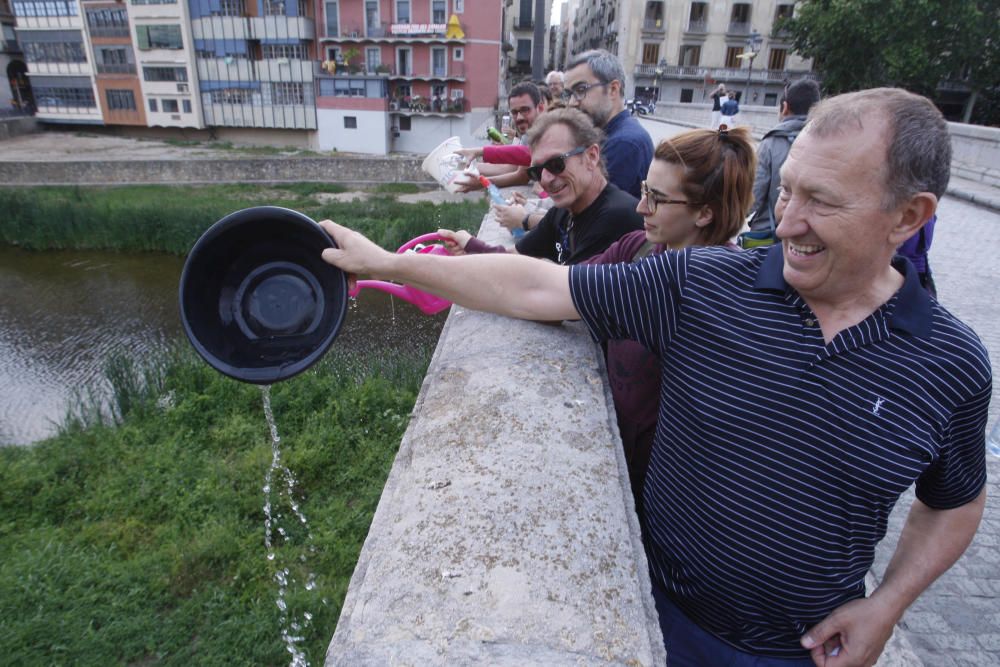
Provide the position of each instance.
(404, 75)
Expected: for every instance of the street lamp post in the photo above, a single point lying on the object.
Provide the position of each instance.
(753, 43)
(656, 80)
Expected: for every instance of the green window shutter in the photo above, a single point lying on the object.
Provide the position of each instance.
(142, 37)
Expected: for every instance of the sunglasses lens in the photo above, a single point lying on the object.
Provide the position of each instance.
(555, 166)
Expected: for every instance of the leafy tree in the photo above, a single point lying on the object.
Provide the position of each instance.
(912, 44)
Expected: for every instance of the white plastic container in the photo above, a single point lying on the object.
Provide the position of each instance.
(444, 165)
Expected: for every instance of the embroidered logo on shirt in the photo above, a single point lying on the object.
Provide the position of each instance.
(877, 406)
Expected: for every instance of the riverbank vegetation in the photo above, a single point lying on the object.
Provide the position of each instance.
(163, 218)
(139, 540)
(136, 536)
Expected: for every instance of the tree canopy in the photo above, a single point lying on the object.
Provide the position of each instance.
(914, 44)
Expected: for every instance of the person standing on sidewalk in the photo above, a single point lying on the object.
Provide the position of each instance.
(595, 84)
(805, 387)
(799, 98)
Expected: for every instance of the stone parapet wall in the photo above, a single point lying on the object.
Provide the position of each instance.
(347, 170)
(975, 153)
(506, 533)
(17, 126)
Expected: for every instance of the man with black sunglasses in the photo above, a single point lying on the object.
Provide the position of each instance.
(594, 84)
(588, 214)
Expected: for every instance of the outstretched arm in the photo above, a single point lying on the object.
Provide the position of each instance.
(511, 285)
(931, 541)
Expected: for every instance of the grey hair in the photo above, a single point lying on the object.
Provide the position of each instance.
(554, 74)
(579, 124)
(605, 66)
(918, 155)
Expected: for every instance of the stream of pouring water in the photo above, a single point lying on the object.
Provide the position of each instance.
(292, 629)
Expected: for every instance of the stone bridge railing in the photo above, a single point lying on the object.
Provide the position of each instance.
(506, 532)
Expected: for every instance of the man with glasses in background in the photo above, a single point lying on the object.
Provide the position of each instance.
(595, 84)
(589, 213)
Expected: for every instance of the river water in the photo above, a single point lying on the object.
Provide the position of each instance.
(64, 313)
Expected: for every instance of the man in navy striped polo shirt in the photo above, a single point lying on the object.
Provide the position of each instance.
(805, 387)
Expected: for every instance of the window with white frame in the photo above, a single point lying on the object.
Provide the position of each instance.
(292, 51)
(371, 16)
(402, 11)
(284, 93)
(120, 100)
(439, 11)
(458, 53)
(274, 7)
(404, 61)
(332, 18)
(439, 61)
(459, 6)
(373, 58)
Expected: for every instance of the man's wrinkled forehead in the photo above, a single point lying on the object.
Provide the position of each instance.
(579, 74)
(556, 140)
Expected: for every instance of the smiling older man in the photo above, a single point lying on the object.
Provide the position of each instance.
(805, 387)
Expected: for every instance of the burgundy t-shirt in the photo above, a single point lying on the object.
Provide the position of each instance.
(634, 376)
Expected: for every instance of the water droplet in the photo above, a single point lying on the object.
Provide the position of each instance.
(270, 556)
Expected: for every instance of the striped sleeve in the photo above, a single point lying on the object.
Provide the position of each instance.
(635, 301)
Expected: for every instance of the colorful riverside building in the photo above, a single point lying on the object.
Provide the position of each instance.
(370, 76)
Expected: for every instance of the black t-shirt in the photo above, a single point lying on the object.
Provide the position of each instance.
(608, 218)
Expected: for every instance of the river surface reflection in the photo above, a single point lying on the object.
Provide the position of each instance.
(64, 313)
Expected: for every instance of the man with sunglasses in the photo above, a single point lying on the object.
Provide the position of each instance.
(806, 386)
(588, 213)
(595, 82)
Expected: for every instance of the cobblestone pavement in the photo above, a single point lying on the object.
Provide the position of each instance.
(956, 622)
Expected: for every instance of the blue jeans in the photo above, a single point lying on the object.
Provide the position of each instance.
(690, 646)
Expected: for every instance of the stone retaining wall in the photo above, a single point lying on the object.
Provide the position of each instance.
(346, 170)
(17, 126)
(975, 153)
(506, 533)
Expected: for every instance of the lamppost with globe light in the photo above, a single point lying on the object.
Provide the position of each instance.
(753, 43)
(656, 79)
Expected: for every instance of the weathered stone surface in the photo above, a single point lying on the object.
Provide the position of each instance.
(506, 533)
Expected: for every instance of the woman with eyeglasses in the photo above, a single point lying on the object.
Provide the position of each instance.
(698, 187)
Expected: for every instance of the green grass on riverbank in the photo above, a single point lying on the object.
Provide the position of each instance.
(142, 543)
(171, 218)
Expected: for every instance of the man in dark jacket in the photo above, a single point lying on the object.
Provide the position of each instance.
(773, 149)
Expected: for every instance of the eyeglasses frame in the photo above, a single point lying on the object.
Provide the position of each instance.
(580, 92)
(653, 200)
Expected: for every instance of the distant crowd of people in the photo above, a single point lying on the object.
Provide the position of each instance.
(773, 402)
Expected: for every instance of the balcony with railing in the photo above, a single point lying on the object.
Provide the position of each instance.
(779, 31)
(739, 28)
(395, 33)
(697, 26)
(108, 31)
(723, 74)
(454, 71)
(115, 68)
(656, 26)
(418, 105)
